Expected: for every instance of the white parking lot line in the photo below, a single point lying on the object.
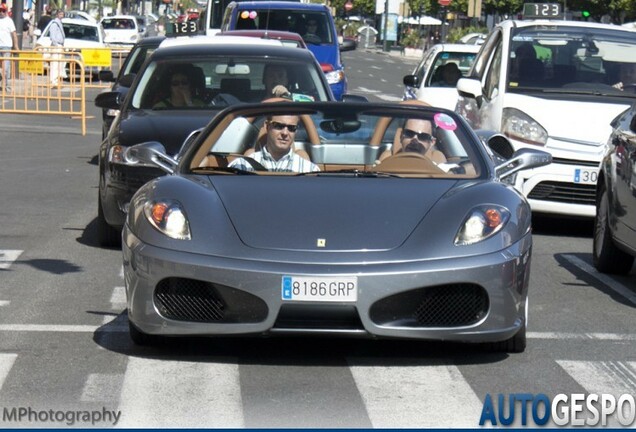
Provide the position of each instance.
(393, 396)
(102, 387)
(607, 280)
(161, 393)
(6, 363)
(7, 257)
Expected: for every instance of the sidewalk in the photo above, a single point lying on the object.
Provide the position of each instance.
(395, 51)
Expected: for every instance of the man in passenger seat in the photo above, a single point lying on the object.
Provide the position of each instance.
(417, 136)
(278, 153)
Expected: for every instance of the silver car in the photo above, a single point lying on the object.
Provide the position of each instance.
(402, 225)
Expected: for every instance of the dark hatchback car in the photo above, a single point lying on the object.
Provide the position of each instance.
(615, 223)
(126, 75)
(218, 71)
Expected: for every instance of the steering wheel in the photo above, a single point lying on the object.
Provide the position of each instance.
(409, 162)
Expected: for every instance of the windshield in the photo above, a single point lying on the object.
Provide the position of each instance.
(314, 27)
(80, 32)
(449, 67)
(572, 59)
(341, 141)
(221, 81)
(118, 24)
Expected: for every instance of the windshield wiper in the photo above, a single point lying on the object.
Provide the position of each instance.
(353, 173)
(230, 170)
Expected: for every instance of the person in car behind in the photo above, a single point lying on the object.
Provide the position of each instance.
(181, 91)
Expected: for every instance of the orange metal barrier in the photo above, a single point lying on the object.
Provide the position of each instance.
(29, 86)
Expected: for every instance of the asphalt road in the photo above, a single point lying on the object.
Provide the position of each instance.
(64, 344)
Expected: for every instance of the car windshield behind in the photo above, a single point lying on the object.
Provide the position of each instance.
(221, 81)
(346, 140)
(118, 24)
(572, 59)
(81, 32)
(448, 67)
(314, 27)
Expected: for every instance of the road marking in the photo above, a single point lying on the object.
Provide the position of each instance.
(123, 327)
(366, 90)
(163, 394)
(393, 396)
(117, 302)
(607, 280)
(611, 377)
(6, 363)
(389, 98)
(8, 256)
(102, 387)
(5, 302)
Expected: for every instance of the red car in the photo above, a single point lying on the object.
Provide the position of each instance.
(287, 38)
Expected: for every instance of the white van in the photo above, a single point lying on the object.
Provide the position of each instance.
(552, 85)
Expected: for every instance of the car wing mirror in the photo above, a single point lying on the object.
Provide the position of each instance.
(522, 159)
(411, 81)
(106, 76)
(470, 88)
(109, 100)
(151, 153)
(354, 98)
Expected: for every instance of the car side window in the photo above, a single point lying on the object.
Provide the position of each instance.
(494, 73)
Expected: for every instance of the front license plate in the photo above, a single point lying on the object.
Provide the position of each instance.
(585, 175)
(334, 289)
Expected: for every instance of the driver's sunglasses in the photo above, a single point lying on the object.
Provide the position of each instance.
(281, 126)
(421, 136)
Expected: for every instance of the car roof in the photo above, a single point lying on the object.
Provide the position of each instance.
(281, 5)
(584, 24)
(79, 21)
(151, 41)
(457, 48)
(229, 45)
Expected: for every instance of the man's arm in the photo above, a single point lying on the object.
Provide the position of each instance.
(14, 36)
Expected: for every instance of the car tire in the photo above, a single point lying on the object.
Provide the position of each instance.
(107, 236)
(606, 256)
(142, 339)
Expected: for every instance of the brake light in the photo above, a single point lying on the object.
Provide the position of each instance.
(326, 67)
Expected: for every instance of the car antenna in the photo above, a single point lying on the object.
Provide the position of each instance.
(269, 11)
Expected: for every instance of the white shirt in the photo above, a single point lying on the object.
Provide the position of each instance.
(290, 162)
(7, 27)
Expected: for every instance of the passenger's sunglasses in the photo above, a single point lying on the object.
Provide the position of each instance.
(421, 136)
(180, 83)
(281, 126)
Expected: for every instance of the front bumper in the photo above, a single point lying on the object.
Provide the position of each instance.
(255, 286)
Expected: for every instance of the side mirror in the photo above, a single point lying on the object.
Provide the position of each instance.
(411, 81)
(522, 159)
(354, 98)
(106, 76)
(151, 153)
(470, 88)
(108, 100)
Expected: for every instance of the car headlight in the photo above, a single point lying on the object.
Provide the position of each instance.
(482, 222)
(521, 127)
(169, 218)
(119, 154)
(335, 77)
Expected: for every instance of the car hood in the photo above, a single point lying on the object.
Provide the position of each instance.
(584, 122)
(364, 214)
(170, 128)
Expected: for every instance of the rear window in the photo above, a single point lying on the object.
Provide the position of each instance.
(74, 31)
(296, 21)
(118, 24)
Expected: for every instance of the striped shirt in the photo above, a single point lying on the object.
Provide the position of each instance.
(290, 162)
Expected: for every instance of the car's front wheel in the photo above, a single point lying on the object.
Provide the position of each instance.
(607, 257)
(107, 236)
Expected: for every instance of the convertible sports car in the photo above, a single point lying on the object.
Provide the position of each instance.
(373, 238)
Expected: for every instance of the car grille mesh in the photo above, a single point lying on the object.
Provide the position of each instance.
(192, 300)
(571, 193)
(453, 305)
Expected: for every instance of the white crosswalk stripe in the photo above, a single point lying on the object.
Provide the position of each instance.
(102, 387)
(7, 257)
(610, 377)
(404, 406)
(6, 363)
(162, 393)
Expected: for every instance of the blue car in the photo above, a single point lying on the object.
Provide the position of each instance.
(313, 22)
